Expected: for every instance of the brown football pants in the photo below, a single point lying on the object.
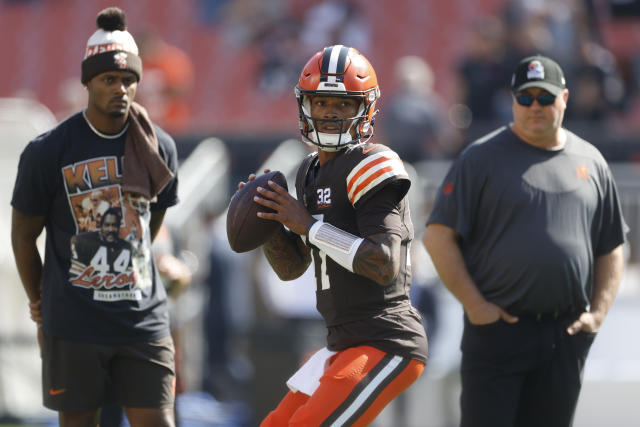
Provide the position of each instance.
(355, 388)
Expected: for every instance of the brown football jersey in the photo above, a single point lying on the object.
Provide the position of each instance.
(363, 190)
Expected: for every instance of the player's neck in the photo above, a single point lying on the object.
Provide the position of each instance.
(105, 124)
(325, 156)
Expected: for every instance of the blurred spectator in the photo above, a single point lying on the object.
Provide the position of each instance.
(245, 21)
(415, 124)
(597, 87)
(281, 57)
(625, 8)
(566, 30)
(176, 277)
(211, 12)
(628, 124)
(331, 22)
(166, 83)
(482, 73)
(227, 318)
(561, 29)
(268, 28)
(549, 26)
(527, 30)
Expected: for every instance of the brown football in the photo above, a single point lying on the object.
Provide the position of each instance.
(245, 230)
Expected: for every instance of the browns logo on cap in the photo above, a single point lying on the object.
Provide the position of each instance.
(538, 71)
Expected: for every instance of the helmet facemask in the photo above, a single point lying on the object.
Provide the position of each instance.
(359, 124)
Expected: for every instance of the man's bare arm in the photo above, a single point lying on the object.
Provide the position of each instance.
(607, 275)
(378, 258)
(156, 222)
(25, 229)
(441, 242)
(287, 254)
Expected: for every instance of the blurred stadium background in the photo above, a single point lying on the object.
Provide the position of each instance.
(219, 76)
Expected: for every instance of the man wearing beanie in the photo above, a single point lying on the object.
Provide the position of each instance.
(100, 307)
(527, 232)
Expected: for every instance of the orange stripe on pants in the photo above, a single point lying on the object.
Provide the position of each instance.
(339, 389)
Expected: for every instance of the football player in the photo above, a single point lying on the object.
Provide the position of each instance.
(101, 310)
(351, 218)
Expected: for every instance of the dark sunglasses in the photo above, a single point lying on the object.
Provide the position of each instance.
(544, 99)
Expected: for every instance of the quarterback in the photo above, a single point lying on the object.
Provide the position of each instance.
(351, 218)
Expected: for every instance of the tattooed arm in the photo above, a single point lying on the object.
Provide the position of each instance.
(378, 258)
(287, 254)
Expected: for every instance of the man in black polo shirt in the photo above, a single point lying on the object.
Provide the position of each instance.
(527, 233)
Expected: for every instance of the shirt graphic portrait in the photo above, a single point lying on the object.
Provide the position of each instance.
(108, 253)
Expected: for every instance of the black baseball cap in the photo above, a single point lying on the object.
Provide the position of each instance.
(538, 71)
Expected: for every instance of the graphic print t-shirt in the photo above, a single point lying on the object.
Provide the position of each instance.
(100, 283)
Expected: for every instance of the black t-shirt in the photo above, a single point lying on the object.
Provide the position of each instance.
(93, 290)
(531, 221)
(363, 191)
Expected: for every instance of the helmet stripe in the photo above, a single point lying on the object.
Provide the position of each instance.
(326, 58)
(342, 60)
(333, 62)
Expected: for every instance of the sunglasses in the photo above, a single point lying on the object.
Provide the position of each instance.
(544, 99)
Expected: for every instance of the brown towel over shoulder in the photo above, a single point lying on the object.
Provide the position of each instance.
(144, 170)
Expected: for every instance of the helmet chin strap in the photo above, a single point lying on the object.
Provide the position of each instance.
(330, 141)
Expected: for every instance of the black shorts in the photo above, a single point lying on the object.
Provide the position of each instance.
(79, 376)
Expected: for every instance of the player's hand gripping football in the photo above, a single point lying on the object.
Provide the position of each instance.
(289, 211)
(250, 178)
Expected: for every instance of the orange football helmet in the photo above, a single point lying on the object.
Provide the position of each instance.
(338, 71)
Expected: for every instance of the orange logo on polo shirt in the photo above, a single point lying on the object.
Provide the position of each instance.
(448, 188)
(55, 392)
(582, 172)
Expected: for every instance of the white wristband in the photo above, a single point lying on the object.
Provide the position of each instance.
(340, 245)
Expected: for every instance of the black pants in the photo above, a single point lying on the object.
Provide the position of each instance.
(526, 374)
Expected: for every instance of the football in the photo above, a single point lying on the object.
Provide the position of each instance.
(245, 230)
